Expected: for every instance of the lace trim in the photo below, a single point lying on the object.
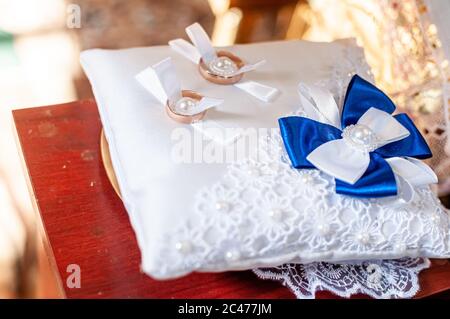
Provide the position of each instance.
(377, 279)
(264, 213)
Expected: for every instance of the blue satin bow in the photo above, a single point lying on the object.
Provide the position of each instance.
(302, 135)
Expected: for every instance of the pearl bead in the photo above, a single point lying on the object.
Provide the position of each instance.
(183, 247)
(363, 238)
(222, 206)
(223, 66)
(435, 218)
(324, 229)
(232, 255)
(276, 214)
(185, 104)
(307, 179)
(360, 136)
(400, 247)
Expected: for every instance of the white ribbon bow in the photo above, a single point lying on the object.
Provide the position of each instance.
(203, 49)
(348, 158)
(162, 81)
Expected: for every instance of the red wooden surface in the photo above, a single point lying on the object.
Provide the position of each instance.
(86, 223)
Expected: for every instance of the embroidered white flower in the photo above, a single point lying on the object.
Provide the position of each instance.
(184, 248)
(357, 204)
(321, 228)
(276, 216)
(220, 199)
(252, 172)
(435, 223)
(364, 234)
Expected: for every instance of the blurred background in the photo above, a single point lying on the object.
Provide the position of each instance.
(407, 44)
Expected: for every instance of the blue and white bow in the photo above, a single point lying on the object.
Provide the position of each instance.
(363, 148)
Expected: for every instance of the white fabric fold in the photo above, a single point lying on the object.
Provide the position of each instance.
(319, 104)
(405, 190)
(149, 80)
(340, 160)
(413, 170)
(186, 49)
(201, 40)
(260, 91)
(410, 173)
(384, 125)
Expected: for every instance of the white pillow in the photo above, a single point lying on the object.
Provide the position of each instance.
(256, 211)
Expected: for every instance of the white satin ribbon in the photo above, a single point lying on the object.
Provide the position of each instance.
(186, 49)
(327, 112)
(161, 81)
(338, 159)
(413, 173)
(412, 170)
(203, 49)
(207, 103)
(250, 67)
(342, 160)
(168, 79)
(201, 40)
(149, 79)
(384, 125)
(262, 92)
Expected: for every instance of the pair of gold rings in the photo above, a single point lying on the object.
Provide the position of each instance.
(222, 71)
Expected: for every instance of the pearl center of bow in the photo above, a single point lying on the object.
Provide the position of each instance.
(185, 106)
(361, 137)
(223, 66)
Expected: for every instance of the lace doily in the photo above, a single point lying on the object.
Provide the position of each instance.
(377, 279)
(263, 212)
